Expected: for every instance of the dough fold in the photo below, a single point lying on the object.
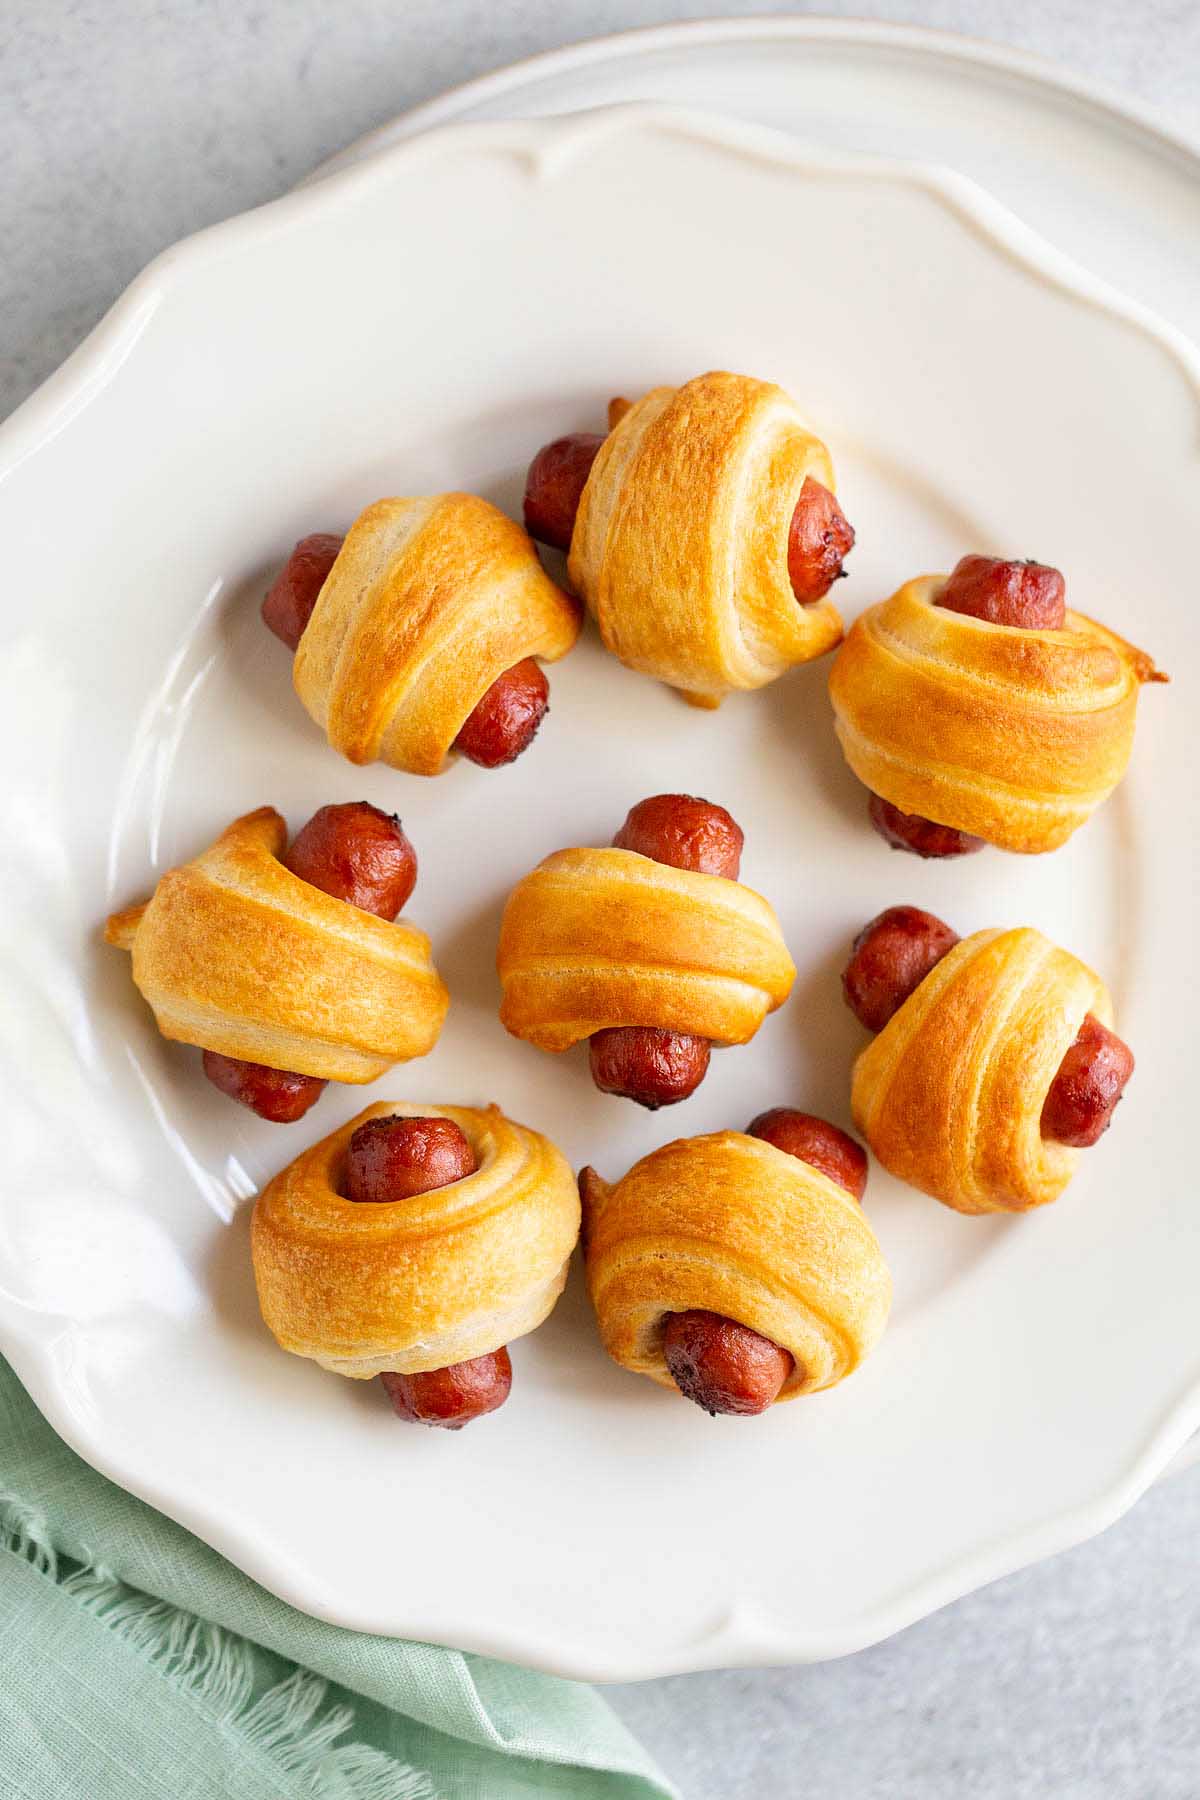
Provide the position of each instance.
(428, 602)
(236, 954)
(598, 938)
(949, 1096)
(730, 1224)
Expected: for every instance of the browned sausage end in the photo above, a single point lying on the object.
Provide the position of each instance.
(289, 605)
(554, 486)
(921, 837)
(1030, 596)
(1090, 1081)
(820, 538)
(889, 959)
(505, 722)
(722, 1366)
(277, 1095)
(358, 853)
(814, 1141)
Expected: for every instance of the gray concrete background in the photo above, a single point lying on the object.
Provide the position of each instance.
(125, 124)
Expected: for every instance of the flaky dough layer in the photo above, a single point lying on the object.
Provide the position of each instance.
(681, 539)
(420, 1283)
(1015, 736)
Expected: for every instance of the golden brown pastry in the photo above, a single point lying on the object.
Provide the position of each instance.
(236, 954)
(433, 1280)
(732, 1228)
(681, 541)
(428, 602)
(1000, 1046)
(597, 939)
(998, 731)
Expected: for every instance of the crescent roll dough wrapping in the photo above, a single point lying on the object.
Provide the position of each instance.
(428, 602)
(236, 954)
(950, 1094)
(732, 1225)
(680, 545)
(1013, 735)
(423, 1282)
(599, 938)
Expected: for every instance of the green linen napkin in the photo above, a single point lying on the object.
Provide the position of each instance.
(137, 1664)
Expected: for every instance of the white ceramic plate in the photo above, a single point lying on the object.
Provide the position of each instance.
(1099, 175)
(423, 321)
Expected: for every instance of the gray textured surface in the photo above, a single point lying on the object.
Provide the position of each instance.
(1076, 1680)
(125, 124)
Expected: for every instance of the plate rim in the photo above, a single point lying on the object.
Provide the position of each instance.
(961, 46)
(737, 1638)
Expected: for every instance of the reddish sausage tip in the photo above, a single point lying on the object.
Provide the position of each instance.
(1029, 595)
(505, 721)
(394, 1158)
(684, 832)
(814, 1141)
(358, 853)
(640, 1062)
(453, 1396)
(722, 1366)
(276, 1095)
(819, 539)
(289, 605)
(924, 837)
(890, 958)
(554, 486)
(1090, 1081)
